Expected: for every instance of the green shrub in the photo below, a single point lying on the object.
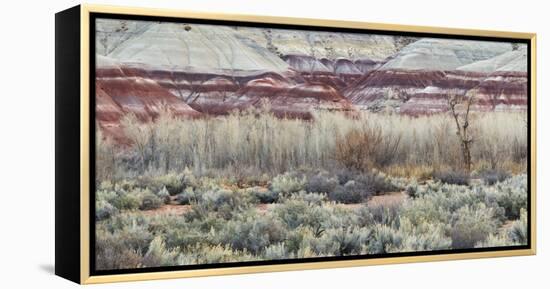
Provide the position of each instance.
(260, 232)
(112, 254)
(120, 242)
(339, 217)
(493, 241)
(103, 210)
(346, 175)
(430, 206)
(296, 212)
(364, 217)
(359, 187)
(518, 232)
(149, 201)
(188, 179)
(386, 214)
(164, 195)
(375, 182)
(312, 199)
(105, 195)
(126, 185)
(300, 238)
(287, 183)
(210, 254)
(132, 230)
(425, 237)
(436, 202)
(126, 201)
(222, 203)
(173, 183)
(157, 254)
(350, 193)
(262, 195)
(472, 224)
(491, 177)
(412, 190)
(184, 236)
(321, 182)
(512, 197)
(224, 225)
(343, 241)
(276, 251)
(384, 239)
(453, 177)
(216, 199)
(186, 197)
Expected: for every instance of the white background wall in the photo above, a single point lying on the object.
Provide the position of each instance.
(27, 143)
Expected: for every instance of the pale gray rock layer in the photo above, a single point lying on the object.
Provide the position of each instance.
(444, 54)
(515, 60)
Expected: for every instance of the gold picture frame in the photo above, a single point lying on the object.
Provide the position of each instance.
(84, 275)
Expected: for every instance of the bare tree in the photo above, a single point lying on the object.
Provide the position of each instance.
(462, 122)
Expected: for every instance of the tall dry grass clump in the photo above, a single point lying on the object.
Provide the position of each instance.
(257, 141)
(365, 147)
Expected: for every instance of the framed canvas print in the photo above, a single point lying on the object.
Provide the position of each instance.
(193, 144)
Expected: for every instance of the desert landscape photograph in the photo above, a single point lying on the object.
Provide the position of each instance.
(221, 144)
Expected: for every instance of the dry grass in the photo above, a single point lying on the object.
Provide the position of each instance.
(418, 172)
(256, 140)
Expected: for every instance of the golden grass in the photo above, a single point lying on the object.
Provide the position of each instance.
(259, 141)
